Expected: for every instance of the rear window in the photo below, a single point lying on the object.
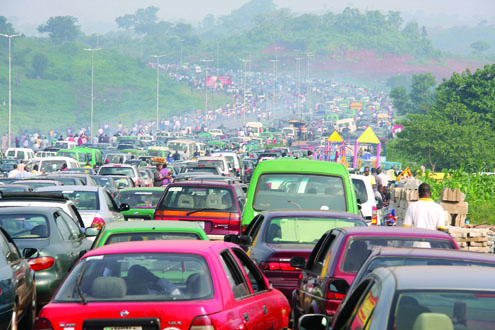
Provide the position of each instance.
(128, 171)
(360, 188)
(51, 165)
(138, 277)
(84, 200)
(359, 248)
(138, 236)
(139, 199)
(299, 191)
(303, 230)
(25, 225)
(198, 197)
(219, 163)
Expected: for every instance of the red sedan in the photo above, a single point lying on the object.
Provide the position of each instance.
(154, 285)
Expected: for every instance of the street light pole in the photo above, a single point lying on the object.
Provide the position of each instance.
(245, 61)
(10, 36)
(206, 90)
(298, 59)
(309, 92)
(157, 87)
(92, 50)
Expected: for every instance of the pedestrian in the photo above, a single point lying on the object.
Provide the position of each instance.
(381, 177)
(166, 174)
(14, 172)
(63, 167)
(368, 176)
(157, 176)
(425, 213)
(176, 155)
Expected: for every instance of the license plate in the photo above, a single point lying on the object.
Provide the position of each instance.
(123, 328)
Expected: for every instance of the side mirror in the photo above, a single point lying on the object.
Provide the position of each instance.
(124, 207)
(314, 322)
(231, 238)
(245, 240)
(28, 253)
(297, 262)
(92, 231)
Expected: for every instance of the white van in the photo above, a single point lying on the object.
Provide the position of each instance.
(67, 145)
(365, 197)
(23, 154)
(233, 160)
(185, 148)
(289, 131)
(348, 123)
(220, 162)
(53, 164)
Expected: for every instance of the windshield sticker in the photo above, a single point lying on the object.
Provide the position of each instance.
(94, 258)
(175, 189)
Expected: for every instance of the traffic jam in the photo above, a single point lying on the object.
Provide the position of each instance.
(176, 231)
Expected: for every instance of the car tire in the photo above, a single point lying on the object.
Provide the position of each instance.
(27, 321)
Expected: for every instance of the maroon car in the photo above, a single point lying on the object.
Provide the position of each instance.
(273, 237)
(338, 256)
(215, 205)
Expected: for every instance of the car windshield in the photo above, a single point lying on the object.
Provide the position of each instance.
(117, 170)
(138, 277)
(303, 230)
(144, 236)
(359, 248)
(299, 191)
(198, 197)
(25, 225)
(84, 200)
(139, 199)
(204, 169)
(212, 162)
(451, 309)
(104, 182)
(51, 165)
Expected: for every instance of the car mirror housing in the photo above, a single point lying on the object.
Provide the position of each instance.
(28, 253)
(314, 322)
(297, 262)
(124, 207)
(231, 238)
(245, 240)
(91, 231)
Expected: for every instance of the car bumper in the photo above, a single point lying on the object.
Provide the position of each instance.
(286, 286)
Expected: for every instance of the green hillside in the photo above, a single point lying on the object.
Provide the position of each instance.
(59, 96)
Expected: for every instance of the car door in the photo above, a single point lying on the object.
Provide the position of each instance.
(245, 302)
(270, 303)
(69, 247)
(112, 207)
(77, 238)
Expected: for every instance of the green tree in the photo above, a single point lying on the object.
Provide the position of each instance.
(60, 29)
(143, 21)
(5, 26)
(480, 46)
(400, 98)
(39, 65)
(422, 95)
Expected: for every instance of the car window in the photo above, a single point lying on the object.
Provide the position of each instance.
(363, 313)
(253, 227)
(323, 254)
(360, 188)
(139, 199)
(75, 231)
(62, 226)
(234, 276)
(314, 252)
(198, 197)
(144, 236)
(252, 271)
(25, 225)
(109, 201)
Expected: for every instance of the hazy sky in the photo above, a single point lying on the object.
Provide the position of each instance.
(99, 15)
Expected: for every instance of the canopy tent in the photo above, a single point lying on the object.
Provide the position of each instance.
(335, 146)
(368, 136)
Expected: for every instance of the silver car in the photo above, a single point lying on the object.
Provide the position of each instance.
(95, 204)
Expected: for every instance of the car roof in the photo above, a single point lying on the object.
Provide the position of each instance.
(27, 210)
(289, 165)
(152, 224)
(34, 196)
(440, 277)
(66, 188)
(208, 183)
(168, 246)
(143, 189)
(308, 213)
(432, 253)
(392, 231)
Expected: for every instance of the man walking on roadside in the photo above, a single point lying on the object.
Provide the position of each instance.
(425, 213)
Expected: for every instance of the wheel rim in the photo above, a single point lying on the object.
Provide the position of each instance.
(14, 317)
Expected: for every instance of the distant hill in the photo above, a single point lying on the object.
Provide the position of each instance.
(59, 95)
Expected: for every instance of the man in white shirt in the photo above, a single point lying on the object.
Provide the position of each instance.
(425, 213)
(381, 177)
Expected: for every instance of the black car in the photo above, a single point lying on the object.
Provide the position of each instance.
(17, 286)
(55, 240)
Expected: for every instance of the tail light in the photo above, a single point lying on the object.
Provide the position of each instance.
(277, 262)
(243, 228)
(235, 223)
(336, 290)
(158, 215)
(42, 324)
(202, 322)
(374, 215)
(98, 222)
(137, 183)
(41, 263)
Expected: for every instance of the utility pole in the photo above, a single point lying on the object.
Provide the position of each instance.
(206, 90)
(91, 130)
(298, 59)
(157, 88)
(245, 61)
(10, 36)
(309, 92)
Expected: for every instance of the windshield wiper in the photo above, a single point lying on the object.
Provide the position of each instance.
(203, 209)
(78, 284)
